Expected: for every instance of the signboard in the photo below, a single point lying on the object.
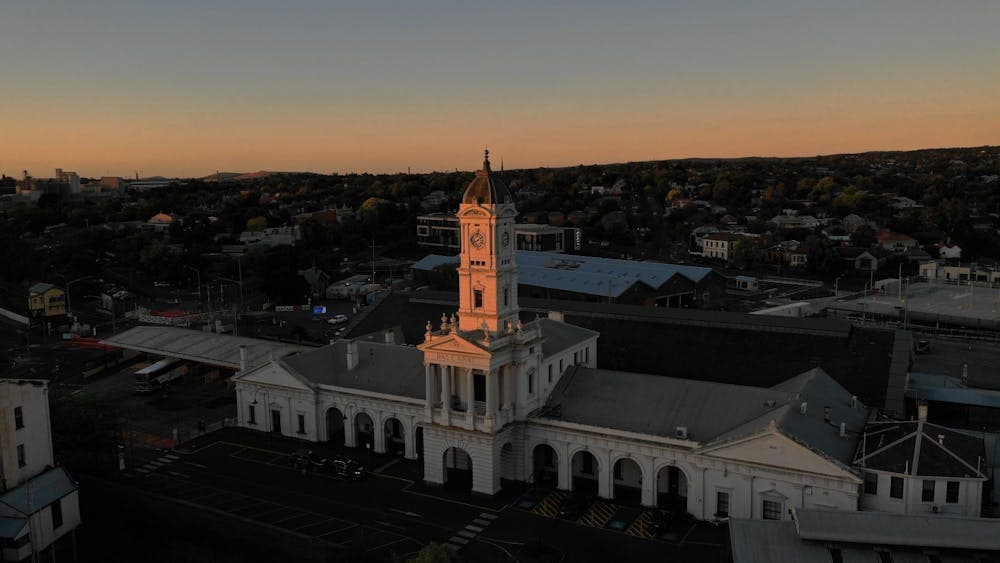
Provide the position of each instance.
(319, 310)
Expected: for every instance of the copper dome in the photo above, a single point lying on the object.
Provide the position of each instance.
(486, 188)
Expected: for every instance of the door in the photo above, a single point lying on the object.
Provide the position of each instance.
(276, 421)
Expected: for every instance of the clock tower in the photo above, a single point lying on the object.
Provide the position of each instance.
(487, 272)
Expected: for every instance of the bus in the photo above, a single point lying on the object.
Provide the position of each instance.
(152, 378)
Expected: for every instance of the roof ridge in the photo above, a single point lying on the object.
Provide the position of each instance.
(953, 454)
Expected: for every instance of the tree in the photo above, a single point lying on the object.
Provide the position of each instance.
(435, 553)
(257, 223)
(743, 254)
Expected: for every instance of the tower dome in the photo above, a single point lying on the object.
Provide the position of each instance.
(486, 188)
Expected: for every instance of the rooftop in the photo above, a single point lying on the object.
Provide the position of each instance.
(199, 346)
(487, 188)
(382, 368)
(922, 449)
(40, 491)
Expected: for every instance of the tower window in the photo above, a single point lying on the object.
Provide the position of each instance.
(477, 298)
(506, 296)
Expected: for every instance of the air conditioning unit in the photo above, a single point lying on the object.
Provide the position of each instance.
(681, 432)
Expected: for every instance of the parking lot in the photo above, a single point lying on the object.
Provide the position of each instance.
(391, 514)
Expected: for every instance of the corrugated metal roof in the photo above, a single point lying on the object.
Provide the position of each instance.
(40, 491)
(382, 368)
(755, 541)
(932, 531)
(204, 347)
(584, 274)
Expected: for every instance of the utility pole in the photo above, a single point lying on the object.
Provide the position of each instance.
(900, 282)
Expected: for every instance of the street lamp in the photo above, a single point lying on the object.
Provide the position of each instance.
(836, 285)
(69, 302)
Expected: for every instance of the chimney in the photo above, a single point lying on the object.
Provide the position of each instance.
(922, 411)
(803, 407)
(941, 439)
(390, 336)
(556, 316)
(843, 429)
(352, 354)
(827, 413)
(243, 358)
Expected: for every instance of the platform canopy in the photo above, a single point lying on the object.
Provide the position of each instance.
(210, 348)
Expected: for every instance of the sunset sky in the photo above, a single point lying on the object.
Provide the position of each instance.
(185, 87)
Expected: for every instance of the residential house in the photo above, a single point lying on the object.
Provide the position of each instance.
(39, 504)
(894, 242)
(46, 301)
(941, 270)
(720, 245)
(161, 222)
(860, 259)
(949, 250)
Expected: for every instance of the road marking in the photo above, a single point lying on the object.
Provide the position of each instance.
(385, 466)
(292, 517)
(181, 475)
(458, 540)
(476, 529)
(156, 463)
(466, 534)
(198, 465)
(482, 522)
(141, 470)
(164, 460)
(488, 516)
(172, 456)
(337, 531)
(387, 544)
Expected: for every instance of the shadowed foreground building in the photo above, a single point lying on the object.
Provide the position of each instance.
(487, 397)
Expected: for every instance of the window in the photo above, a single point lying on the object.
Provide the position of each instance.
(884, 557)
(18, 418)
(576, 358)
(772, 510)
(586, 355)
(836, 556)
(276, 421)
(478, 298)
(927, 494)
(722, 504)
(896, 487)
(560, 366)
(871, 483)
(951, 495)
(618, 471)
(57, 517)
(506, 296)
(531, 383)
(251, 415)
(302, 424)
(587, 464)
(20, 456)
(550, 373)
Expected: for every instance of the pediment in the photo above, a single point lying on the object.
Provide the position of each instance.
(453, 344)
(274, 375)
(775, 449)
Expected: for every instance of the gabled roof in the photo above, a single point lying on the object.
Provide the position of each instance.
(40, 287)
(39, 492)
(584, 274)
(559, 336)
(206, 347)
(712, 413)
(922, 449)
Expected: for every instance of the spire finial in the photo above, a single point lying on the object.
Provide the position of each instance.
(486, 159)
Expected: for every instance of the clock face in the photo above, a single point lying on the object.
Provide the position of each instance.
(477, 239)
(505, 238)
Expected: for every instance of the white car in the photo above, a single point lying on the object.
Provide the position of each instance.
(338, 319)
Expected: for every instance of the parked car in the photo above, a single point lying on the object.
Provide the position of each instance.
(307, 460)
(338, 319)
(347, 468)
(573, 507)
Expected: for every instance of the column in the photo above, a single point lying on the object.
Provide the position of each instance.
(445, 389)
(410, 439)
(349, 435)
(492, 390)
(648, 488)
(605, 488)
(378, 435)
(470, 397)
(565, 479)
(429, 386)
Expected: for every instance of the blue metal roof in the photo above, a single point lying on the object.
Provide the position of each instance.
(948, 389)
(44, 490)
(584, 274)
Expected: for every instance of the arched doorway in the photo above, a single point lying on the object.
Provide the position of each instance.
(671, 488)
(418, 444)
(508, 465)
(457, 469)
(364, 429)
(626, 477)
(584, 470)
(335, 426)
(394, 438)
(545, 466)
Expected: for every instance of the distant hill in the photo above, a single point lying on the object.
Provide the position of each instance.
(238, 176)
